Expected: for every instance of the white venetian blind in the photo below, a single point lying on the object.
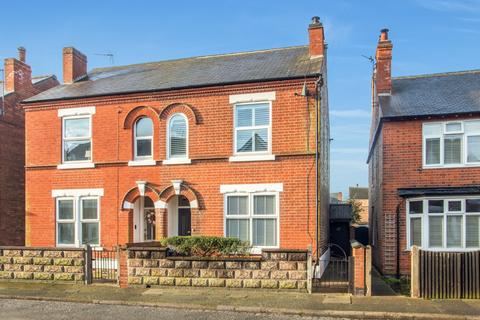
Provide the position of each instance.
(178, 136)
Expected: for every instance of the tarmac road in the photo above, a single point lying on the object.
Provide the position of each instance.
(11, 309)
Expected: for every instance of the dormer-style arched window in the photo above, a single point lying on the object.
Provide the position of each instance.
(177, 136)
(143, 139)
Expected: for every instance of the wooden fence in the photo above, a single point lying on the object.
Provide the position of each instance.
(445, 275)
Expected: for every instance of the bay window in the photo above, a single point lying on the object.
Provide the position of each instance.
(449, 224)
(252, 217)
(451, 144)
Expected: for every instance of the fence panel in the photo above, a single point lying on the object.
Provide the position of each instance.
(446, 275)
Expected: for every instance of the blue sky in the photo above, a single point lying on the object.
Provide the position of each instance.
(428, 36)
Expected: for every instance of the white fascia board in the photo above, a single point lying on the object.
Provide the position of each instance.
(249, 188)
(252, 97)
(77, 192)
(76, 111)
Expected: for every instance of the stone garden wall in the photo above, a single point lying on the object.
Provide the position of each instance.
(42, 264)
(274, 269)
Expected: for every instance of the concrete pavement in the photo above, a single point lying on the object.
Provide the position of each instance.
(256, 301)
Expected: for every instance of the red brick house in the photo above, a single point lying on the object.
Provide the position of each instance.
(18, 84)
(217, 145)
(423, 163)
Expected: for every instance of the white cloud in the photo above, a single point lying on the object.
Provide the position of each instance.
(350, 113)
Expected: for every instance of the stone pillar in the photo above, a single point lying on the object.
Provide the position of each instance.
(415, 273)
(161, 223)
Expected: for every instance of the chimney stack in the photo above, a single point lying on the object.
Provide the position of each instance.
(383, 69)
(74, 65)
(22, 54)
(316, 38)
(18, 74)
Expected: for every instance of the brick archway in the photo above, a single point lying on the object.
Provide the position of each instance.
(133, 194)
(141, 111)
(184, 108)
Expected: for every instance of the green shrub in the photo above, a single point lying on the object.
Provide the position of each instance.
(206, 246)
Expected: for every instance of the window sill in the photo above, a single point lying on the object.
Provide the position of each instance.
(246, 158)
(457, 166)
(176, 161)
(445, 249)
(138, 163)
(81, 165)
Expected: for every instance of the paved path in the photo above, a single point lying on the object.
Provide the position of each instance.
(46, 310)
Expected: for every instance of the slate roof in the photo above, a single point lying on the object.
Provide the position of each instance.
(254, 66)
(433, 94)
(35, 80)
(358, 193)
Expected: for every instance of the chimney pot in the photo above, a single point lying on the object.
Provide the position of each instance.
(384, 34)
(315, 20)
(22, 54)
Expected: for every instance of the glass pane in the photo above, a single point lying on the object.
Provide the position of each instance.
(472, 205)
(416, 232)
(66, 233)
(454, 231)
(244, 117)
(455, 206)
(264, 204)
(65, 209)
(238, 228)
(90, 233)
(89, 207)
(149, 225)
(472, 126)
(244, 141)
(77, 150)
(435, 206)
(178, 136)
(473, 232)
(183, 202)
(262, 115)
(144, 127)
(453, 149)
(237, 205)
(261, 140)
(473, 149)
(432, 129)
(453, 127)
(264, 232)
(144, 147)
(433, 151)
(435, 232)
(75, 128)
(416, 207)
(148, 203)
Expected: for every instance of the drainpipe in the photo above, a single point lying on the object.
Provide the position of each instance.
(318, 86)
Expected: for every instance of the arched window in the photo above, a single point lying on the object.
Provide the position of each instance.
(177, 136)
(143, 138)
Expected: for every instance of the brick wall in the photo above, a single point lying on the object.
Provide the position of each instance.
(42, 264)
(210, 146)
(274, 269)
(12, 164)
(401, 167)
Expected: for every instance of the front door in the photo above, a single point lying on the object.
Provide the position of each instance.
(184, 222)
(144, 220)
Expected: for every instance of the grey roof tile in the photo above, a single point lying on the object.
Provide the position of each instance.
(434, 94)
(284, 63)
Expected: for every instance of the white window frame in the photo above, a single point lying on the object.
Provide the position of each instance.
(176, 159)
(136, 157)
(77, 195)
(268, 127)
(425, 224)
(251, 216)
(464, 144)
(89, 137)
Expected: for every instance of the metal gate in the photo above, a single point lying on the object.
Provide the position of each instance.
(103, 265)
(338, 275)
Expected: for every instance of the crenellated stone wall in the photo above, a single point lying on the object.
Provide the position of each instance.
(274, 269)
(42, 264)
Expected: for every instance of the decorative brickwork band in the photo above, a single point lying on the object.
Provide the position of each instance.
(184, 108)
(138, 112)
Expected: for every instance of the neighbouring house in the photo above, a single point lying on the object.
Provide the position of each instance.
(424, 163)
(215, 145)
(336, 197)
(360, 195)
(17, 84)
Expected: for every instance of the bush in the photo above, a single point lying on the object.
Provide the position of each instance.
(206, 246)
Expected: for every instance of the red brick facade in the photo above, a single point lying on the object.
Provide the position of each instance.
(210, 146)
(18, 86)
